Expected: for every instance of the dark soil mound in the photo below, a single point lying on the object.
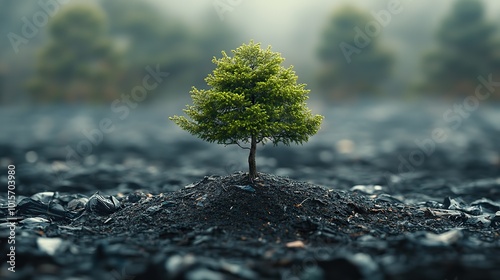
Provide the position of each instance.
(373, 212)
(282, 225)
(272, 207)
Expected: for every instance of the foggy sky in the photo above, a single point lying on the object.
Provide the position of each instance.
(293, 27)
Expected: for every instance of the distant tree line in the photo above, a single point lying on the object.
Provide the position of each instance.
(95, 53)
(354, 64)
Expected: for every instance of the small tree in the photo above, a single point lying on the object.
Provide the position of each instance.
(348, 68)
(466, 48)
(79, 62)
(252, 99)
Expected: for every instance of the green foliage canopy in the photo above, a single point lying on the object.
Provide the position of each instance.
(251, 95)
(251, 99)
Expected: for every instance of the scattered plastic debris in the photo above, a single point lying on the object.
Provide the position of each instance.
(496, 219)
(459, 204)
(49, 245)
(34, 223)
(200, 268)
(483, 220)
(101, 205)
(388, 198)
(199, 200)
(444, 239)
(77, 204)
(246, 188)
(45, 197)
(30, 206)
(192, 185)
(368, 189)
(487, 205)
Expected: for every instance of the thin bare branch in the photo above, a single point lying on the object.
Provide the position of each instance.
(246, 148)
(235, 142)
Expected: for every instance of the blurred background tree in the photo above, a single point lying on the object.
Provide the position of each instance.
(79, 63)
(181, 37)
(466, 48)
(8, 15)
(150, 36)
(15, 69)
(353, 63)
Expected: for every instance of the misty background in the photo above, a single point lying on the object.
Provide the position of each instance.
(94, 82)
(181, 37)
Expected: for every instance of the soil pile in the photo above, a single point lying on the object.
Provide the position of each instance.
(382, 202)
(275, 227)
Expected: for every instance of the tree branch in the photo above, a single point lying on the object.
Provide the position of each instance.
(236, 142)
(246, 148)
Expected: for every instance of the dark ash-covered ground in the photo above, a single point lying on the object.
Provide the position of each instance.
(347, 205)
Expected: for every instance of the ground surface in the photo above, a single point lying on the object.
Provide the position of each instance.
(362, 200)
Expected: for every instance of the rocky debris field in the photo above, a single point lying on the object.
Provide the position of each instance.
(372, 196)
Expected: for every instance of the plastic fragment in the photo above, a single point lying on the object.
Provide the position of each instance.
(368, 189)
(49, 245)
(36, 207)
(444, 239)
(45, 197)
(246, 188)
(77, 204)
(487, 204)
(101, 205)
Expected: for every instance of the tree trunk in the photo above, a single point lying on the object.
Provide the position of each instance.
(252, 174)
